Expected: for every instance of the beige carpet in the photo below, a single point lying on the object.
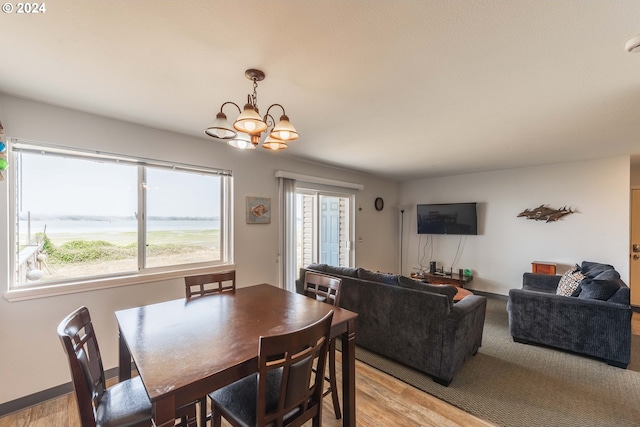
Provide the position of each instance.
(520, 385)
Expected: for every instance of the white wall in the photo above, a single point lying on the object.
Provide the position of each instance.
(32, 358)
(506, 245)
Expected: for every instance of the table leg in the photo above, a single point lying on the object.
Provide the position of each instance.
(349, 375)
(164, 412)
(124, 356)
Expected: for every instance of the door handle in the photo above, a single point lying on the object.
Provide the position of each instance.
(635, 256)
(636, 247)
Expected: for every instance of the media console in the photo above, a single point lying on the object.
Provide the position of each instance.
(435, 278)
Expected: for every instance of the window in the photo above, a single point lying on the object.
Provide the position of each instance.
(80, 215)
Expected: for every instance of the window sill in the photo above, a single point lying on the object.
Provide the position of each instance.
(34, 292)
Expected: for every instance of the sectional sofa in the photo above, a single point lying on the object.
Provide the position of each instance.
(411, 322)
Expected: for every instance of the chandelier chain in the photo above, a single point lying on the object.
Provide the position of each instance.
(254, 97)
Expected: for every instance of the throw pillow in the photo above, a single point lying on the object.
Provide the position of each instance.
(608, 275)
(569, 283)
(592, 269)
(598, 289)
(389, 279)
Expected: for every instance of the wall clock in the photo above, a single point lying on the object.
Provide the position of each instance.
(379, 204)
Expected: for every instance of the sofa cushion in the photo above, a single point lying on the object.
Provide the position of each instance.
(341, 271)
(447, 290)
(317, 267)
(389, 279)
(569, 283)
(598, 289)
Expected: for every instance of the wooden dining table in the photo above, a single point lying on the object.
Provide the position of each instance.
(184, 349)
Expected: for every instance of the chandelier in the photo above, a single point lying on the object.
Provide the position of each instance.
(247, 130)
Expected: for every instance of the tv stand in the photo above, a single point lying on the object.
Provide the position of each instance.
(448, 278)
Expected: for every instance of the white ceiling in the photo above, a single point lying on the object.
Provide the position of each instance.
(403, 89)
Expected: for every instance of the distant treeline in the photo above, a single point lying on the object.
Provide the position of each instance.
(117, 218)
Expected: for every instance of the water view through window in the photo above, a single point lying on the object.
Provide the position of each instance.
(80, 218)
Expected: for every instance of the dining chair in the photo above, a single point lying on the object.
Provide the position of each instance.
(210, 283)
(125, 404)
(284, 391)
(326, 289)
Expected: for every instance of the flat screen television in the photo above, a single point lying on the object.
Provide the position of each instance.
(448, 218)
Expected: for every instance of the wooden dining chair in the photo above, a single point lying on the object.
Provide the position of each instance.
(123, 404)
(326, 289)
(284, 391)
(210, 283)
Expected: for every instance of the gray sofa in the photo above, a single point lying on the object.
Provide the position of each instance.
(595, 320)
(414, 323)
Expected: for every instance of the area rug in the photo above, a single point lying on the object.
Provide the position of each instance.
(524, 385)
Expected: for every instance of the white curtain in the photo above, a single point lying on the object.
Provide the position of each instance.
(287, 238)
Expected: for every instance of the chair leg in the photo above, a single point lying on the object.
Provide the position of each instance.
(187, 416)
(332, 379)
(203, 412)
(216, 416)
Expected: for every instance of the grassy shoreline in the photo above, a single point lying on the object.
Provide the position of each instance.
(123, 238)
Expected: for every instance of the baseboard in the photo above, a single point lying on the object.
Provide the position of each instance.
(44, 395)
(489, 294)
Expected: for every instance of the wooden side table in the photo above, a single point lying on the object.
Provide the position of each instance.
(542, 267)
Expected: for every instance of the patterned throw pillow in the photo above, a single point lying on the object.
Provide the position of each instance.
(569, 282)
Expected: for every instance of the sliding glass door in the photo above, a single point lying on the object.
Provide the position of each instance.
(323, 228)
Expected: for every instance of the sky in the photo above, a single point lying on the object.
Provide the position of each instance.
(55, 186)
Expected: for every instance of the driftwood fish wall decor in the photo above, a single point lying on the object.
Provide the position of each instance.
(544, 213)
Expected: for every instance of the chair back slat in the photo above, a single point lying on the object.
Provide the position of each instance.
(210, 283)
(300, 390)
(322, 287)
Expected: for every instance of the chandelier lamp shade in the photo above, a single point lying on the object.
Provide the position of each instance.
(246, 132)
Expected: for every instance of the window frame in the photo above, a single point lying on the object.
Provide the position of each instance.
(61, 287)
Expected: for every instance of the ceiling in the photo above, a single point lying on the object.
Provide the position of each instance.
(401, 89)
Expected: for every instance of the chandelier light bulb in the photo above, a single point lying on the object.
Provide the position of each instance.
(221, 128)
(242, 141)
(285, 135)
(284, 130)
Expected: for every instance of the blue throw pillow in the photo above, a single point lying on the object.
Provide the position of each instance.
(592, 269)
(598, 289)
(608, 275)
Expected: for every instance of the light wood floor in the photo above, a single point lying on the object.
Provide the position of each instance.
(381, 401)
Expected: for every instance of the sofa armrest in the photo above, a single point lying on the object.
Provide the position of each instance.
(466, 305)
(540, 282)
(462, 334)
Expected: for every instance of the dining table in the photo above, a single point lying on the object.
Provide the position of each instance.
(186, 348)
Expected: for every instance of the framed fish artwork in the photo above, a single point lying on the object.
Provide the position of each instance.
(258, 210)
